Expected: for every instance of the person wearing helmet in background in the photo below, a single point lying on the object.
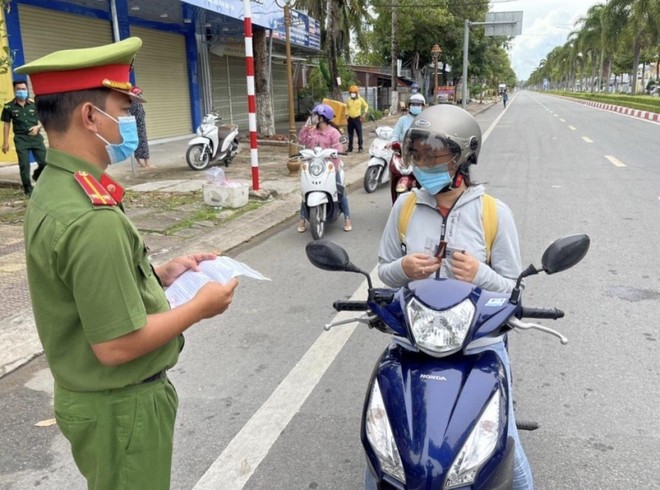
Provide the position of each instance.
(319, 131)
(356, 110)
(443, 142)
(414, 88)
(416, 104)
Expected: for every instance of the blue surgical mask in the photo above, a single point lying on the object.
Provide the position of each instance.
(118, 152)
(415, 109)
(22, 94)
(433, 182)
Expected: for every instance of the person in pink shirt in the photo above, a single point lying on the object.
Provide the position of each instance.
(318, 131)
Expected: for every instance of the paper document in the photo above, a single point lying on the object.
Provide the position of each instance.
(219, 270)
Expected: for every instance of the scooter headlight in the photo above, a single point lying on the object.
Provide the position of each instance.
(478, 447)
(316, 167)
(440, 332)
(379, 434)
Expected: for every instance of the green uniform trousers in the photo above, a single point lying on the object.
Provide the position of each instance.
(121, 439)
(24, 144)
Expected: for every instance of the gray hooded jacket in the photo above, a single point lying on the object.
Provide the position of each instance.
(463, 230)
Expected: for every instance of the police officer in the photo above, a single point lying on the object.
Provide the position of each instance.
(23, 113)
(101, 313)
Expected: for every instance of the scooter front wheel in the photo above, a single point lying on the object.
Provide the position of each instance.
(316, 221)
(371, 178)
(198, 157)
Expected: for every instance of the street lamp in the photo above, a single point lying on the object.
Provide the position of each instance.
(435, 54)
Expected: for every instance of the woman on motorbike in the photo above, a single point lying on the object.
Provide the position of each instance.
(400, 183)
(441, 145)
(319, 131)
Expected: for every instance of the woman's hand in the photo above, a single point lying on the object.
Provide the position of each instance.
(420, 265)
(169, 272)
(464, 266)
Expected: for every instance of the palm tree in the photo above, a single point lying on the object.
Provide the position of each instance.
(642, 27)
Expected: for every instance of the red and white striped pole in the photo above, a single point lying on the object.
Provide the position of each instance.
(252, 100)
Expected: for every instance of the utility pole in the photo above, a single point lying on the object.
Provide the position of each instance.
(394, 95)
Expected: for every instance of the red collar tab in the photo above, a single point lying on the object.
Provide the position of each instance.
(115, 189)
(97, 194)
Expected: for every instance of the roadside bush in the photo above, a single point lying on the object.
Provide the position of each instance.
(639, 102)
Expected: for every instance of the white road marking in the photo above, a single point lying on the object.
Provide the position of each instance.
(587, 140)
(240, 459)
(616, 162)
(572, 127)
(562, 120)
(556, 115)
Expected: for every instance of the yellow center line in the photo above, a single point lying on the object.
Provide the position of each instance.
(587, 139)
(615, 161)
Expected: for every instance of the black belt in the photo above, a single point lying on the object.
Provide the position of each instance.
(155, 377)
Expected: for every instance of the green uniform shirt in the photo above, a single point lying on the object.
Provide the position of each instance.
(23, 117)
(90, 281)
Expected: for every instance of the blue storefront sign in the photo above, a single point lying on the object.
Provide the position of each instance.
(305, 31)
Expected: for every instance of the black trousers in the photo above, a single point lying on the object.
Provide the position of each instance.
(354, 125)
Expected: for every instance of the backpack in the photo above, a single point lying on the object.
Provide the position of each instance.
(489, 219)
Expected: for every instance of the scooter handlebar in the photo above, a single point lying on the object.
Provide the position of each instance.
(547, 313)
(350, 306)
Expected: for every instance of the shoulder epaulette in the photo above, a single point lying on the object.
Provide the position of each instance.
(94, 190)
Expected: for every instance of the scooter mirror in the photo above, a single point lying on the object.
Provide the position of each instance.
(564, 253)
(343, 140)
(328, 256)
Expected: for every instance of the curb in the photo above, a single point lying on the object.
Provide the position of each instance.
(647, 115)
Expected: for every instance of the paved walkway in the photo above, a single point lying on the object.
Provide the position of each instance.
(278, 201)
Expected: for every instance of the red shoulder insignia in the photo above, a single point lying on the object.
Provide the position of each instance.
(94, 190)
(115, 189)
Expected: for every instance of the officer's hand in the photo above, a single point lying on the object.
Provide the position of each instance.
(420, 265)
(33, 130)
(169, 272)
(5, 147)
(464, 266)
(214, 298)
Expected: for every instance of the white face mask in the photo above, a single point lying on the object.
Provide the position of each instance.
(353, 96)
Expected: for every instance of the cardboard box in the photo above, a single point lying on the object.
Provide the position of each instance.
(234, 196)
(341, 118)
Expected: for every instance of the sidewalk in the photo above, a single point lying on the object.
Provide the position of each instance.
(168, 228)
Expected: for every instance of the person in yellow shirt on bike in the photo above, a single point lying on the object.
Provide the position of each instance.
(356, 110)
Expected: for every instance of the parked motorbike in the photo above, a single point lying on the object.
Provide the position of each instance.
(320, 192)
(380, 155)
(214, 143)
(401, 180)
(436, 411)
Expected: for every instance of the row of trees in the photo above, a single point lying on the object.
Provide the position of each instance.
(376, 32)
(612, 38)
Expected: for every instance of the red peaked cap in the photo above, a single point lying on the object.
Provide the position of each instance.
(72, 70)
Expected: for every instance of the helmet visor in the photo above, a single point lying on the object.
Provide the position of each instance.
(429, 151)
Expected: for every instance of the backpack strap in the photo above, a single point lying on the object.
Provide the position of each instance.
(489, 219)
(406, 213)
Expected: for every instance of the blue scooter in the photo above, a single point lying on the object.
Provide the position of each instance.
(436, 411)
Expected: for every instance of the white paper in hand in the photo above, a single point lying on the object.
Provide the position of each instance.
(219, 270)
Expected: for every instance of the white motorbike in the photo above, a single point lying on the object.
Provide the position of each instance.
(214, 143)
(321, 193)
(380, 155)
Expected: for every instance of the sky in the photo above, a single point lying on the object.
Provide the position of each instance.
(546, 24)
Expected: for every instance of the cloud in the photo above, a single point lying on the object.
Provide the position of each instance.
(546, 24)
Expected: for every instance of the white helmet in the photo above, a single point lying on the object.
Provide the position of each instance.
(417, 99)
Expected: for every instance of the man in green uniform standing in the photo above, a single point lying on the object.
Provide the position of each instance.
(105, 324)
(23, 113)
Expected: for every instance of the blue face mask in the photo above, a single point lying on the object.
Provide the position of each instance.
(415, 110)
(118, 152)
(433, 182)
(22, 94)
